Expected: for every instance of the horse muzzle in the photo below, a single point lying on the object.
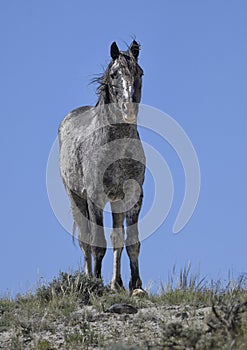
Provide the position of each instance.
(129, 112)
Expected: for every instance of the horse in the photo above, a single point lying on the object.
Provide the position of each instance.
(102, 160)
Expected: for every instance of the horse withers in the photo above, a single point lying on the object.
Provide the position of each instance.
(102, 160)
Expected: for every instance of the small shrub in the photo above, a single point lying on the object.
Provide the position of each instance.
(76, 284)
(226, 318)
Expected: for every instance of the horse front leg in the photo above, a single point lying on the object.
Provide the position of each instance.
(98, 241)
(117, 238)
(133, 244)
(80, 215)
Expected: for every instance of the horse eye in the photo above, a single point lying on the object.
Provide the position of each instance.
(113, 75)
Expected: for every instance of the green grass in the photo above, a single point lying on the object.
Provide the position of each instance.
(187, 313)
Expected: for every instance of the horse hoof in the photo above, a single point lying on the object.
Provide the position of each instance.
(117, 287)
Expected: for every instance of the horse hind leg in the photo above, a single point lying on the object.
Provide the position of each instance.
(98, 241)
(117, 238)
(79, 210)
(133, 244)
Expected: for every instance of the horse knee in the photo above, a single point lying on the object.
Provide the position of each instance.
(117, 238)
(98, 252)
(133, 250)
(85, 247)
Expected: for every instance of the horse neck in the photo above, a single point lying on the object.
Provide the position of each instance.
(108, 116)
(106, 111)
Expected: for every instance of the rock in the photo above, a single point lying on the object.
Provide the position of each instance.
(139, 293)
(122, 309)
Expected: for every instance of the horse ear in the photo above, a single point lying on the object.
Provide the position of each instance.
(135, 49)
(114, 51)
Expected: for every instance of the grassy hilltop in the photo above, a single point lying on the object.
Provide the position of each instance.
(72, 312)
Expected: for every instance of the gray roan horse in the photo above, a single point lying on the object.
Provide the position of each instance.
(102, 160)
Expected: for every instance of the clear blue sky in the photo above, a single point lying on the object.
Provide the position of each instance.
(194, 56)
